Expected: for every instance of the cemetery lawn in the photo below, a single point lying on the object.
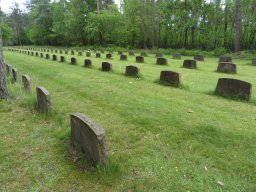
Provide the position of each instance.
(159, 138)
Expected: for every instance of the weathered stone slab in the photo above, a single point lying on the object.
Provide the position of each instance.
(88, 54)
(62, 59)
(191, 64)
(131, 53)
(73, 61)
(87, 63)
(234, 88)
(28, 52)
(98, 55)
(139, 59)
(41, 55)
(123, 57)
(144, 54)
(106, 66)
(26, 81)
(159, 55)
(80, 53)
(225, 67)
(54, 57)
(89, 137)
(36, 54)
(176, 56)
(199, 57)
(14, 75)
(171, 78)
(132, 71)
(108, 55)
(225, 59)
(8, 69)
(47, 56)
(254, 61)
(161, 61)
(32, 53)
(43, 100)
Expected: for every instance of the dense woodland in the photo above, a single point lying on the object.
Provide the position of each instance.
(190, 24)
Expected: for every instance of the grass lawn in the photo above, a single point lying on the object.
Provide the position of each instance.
(159, 138)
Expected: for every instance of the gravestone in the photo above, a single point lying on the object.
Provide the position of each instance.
(72, 52)
(88, 54)
(176, 56)
(106, 66)
(225, 59)
(73, 60)
(170, 78)
(140, 59)
(62, 59)
(47, 56)
(43, 100)
(52, 50)
(80, 53)
(41, 55)
(111, 52)
(120, 52)
(87, 63)
(61, 51)
(131, 53)
(161, 61)
(36, 54)
(8, 69)
(108, 55)
(28, 52)
(26, 81)
(191, 64)
(254, 61)
(66, 52)
(226, 67)
(14, 75)
(132, 71)
(89, 138)
(234, 88)
(123, 57)
(144, 54)
(199, 57)
(54, 57)
(32, 53)
(98, 55)
(159, 55)
(56, 51)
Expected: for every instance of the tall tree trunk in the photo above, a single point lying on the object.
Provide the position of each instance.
(145, 24)
(238, 30)
(153, 23)
(225, 24)
(98, 6)
(3, 88)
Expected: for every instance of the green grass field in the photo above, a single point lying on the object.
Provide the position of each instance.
(159, 138)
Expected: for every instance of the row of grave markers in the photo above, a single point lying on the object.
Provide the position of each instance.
(234, 88)
(86, 135)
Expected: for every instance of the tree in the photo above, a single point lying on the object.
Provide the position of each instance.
(153, 29)
(145, 24)
(238, 29)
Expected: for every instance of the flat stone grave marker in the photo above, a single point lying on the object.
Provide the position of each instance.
(226, 67)
(234, 88)
(131, 53)
(159, 55)
(254, 61)
(108, 55)
(140, 59)
(132, 71)
(98, 55)
(106, 66)
(87, 63)
(123, 57)
(54, 57)
(73, 60)
(43, 100)
(190, 64)
(89, 138)
(26, 81)
(88, 54)
(161, 61)
(176, 56)
(62, 59)
(144, 54)
(199, 57)
(47, 56)
(225, 59)
(14, 75)
(170, 78)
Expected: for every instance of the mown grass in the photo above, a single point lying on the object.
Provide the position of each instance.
(159, 138)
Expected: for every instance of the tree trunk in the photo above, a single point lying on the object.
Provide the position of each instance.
(238, 30)
(98, 6)
(225, 24)
(153, 23)
(144, 24)
(3, 88)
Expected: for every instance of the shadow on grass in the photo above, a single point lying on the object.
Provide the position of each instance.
(163, 83)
